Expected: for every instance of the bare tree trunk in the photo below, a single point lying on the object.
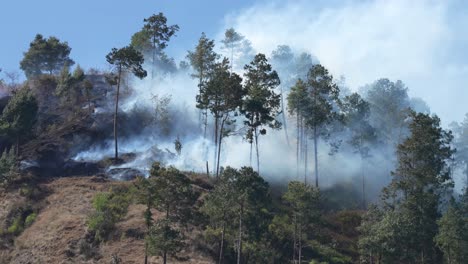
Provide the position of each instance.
(115, 114)
(256, 148)
(315, 157)
(294, 239)
(216, 127)
(251, 144)
(219, 146)
(297, 145)
(17, 146)
(221, 247)
(364, 205)
(284, 116)
(300, 244)
(239, 242)
(306, 157)
(165, 257)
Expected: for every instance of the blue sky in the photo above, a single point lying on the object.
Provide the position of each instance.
(421, 42)
(92, 28)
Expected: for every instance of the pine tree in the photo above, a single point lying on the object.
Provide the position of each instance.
(203, 59)
(321, 111)
(126, 59)
(45, 55)
(223, 95)
(261, 104)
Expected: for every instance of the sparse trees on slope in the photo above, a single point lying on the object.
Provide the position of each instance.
(282, 58)
(173, 195)
(303, 209)
(223, 95)
(45, 55)
(298, 102)
(452, 237)
(323, 98)
(413, 197)
(356, 113)
(126, 59)
(461, 143)
(261, 103)
(19, 116)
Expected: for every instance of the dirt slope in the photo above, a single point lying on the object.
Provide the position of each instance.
(60, 225)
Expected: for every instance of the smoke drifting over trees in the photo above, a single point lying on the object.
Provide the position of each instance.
(279, 138)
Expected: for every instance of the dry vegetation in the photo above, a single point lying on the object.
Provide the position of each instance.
(59, 233)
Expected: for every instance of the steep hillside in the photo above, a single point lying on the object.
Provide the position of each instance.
(59, 231)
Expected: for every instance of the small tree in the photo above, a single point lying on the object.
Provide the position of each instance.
(452, 237)
(251, 199)
(8, 167)
(45, 56)
(261, 103)
(163, 239)
(172, 194)
(126, 59)
(19, 116)
(303, 209)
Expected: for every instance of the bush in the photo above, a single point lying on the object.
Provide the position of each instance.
(17, 226)
(30, 219)
(8, 168)
(109, 207)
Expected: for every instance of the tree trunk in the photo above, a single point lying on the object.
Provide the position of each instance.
(284, 116)
(153, 62)
(219, 146)
(294, 239)
(239, 242)
(17, 146)
(216, 130)
(165, 257)
(306, 157)
(300, 244)
(316, 157)
(256, 148)
(146, 252)
(251, 144)
(115, 114)
(221, 247)
(297, 145)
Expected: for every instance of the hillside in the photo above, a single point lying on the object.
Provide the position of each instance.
(61, 224)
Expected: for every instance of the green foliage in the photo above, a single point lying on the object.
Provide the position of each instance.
(163, 239)
(452, 237)
(109, 208)
(19, 115)
(8, 168)
(405, 230)
(30, 219)
(127, 58)
(45, 55)
(16, 226)
(388, 102)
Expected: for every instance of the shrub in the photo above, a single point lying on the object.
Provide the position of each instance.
(109, 207)
(30, 219)
(8, 168)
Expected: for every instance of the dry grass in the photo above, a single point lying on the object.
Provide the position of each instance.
(60, 227)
